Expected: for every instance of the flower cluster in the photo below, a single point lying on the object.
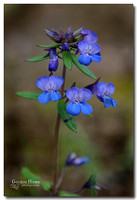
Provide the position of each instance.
(84, 42)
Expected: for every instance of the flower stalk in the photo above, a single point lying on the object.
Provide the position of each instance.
(56, 138)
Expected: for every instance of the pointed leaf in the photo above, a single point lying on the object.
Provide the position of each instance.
(29, 95)
(67, 59)
(65, 194)
(68, 119)
(49, 46)
(38, 58)
(46, 185)
(77, 32)
(82, 68)
(29, 175)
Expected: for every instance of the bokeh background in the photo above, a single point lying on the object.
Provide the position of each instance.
(29, 125)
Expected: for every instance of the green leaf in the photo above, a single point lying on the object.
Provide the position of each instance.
(82, 68)
(29, 175)
(67, 59)
(91, 116)
(65, 194)
(29, 95)
(77, 32)
(46, 185)
(38, 58)
(49, 46)
(68, 119)
(93, 180)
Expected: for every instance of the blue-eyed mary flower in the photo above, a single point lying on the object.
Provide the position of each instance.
(53, 65)
(90, 37)
(78, 97)
(72, 159)
(89, 51)
(49, 86)
(103, 91)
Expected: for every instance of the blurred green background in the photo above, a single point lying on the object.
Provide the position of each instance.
(29, 125)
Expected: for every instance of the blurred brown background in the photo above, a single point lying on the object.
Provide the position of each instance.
(29, 125)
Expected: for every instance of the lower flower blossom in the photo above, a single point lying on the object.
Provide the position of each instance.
(78, 97)
(72, 159)
(50, 86)
(103, 91)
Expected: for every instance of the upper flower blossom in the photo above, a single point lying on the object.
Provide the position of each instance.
(78, 97)
(53, 65)
(103, 91)
(67, 37)
(90, 37)
(72, 159)
(89, 51)
(50, 86)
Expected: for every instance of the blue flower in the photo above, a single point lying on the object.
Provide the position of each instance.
(89, 51)
(78, 97)
(65, 46)
(90, 37)
(50, 86)
(103, 91)
(91, 183)
(53, 65)
(72, 159)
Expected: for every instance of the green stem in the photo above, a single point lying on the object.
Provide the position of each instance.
(56, 139)
(61, 177)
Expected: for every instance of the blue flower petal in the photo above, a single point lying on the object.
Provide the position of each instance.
(53, 65)
(70, 158)
(110, 89)
(84, 60)
(55, 96)
(100, 89)
(99, 54)
(44, 98)
(85, 94)
(82, 46)
(107, 101)
(72, 93)
(114, 103)
(86, 109)
(91, 36)
(57, 81)
(80, 161)
(93, 48)
(42, 82)
(73, 109)
(96, 58)
(52, 53)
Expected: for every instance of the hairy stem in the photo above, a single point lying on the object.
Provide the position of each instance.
(56, 139)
